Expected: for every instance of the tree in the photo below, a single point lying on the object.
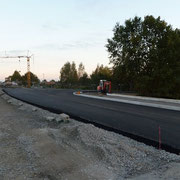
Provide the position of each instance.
(65, 73)
(81, 70)
(68, 74)
(125, 49)
(73, 74)
(84, 80)
(100, 72)
(34, 79)
(16, 77)
(146, 54)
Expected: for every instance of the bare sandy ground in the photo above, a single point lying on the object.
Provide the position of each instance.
(33, 145)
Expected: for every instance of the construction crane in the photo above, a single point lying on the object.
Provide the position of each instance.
(28, 66)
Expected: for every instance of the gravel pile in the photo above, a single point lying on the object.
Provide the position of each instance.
(125, 157)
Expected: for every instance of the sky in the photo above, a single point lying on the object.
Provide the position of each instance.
(57, 31)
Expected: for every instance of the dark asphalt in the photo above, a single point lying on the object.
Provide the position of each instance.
(137, 120)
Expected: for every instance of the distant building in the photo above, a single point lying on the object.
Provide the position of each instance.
(51, 83)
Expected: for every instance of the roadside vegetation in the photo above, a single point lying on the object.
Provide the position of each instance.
(72, 77)
(145, 54)
(22, 80)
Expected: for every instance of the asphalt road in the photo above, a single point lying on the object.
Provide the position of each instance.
(137, 120)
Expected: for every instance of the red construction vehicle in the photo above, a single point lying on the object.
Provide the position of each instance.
(104, 86)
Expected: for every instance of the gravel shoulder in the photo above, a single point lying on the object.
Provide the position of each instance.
(37, 144)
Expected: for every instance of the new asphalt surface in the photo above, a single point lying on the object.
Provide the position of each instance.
(140, 121)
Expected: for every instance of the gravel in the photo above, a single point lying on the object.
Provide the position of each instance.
(37, 144)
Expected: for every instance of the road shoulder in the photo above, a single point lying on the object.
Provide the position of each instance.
(136, 101)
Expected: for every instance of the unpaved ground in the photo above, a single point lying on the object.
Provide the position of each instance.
(32, 146)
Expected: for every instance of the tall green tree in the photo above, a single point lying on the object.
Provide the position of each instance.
(145, 55)
(16, 77)
(101, 72)
(34, 79)
(68, 74)
(73, 73)
(81, 70)
(65, 73)
(84, 80)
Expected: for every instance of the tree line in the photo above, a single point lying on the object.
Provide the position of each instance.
(73, 77)
(70, 77)
(22, 80)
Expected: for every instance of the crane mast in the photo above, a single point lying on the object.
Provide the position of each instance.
(28, 66)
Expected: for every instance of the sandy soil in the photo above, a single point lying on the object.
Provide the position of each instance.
(33, 145)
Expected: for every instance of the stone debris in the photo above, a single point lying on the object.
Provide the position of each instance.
(10, 101)
(59, 119)
(65, 117)
(5, 97)
(49, 118)
(20, 104)
(34, 109)
(1, 93)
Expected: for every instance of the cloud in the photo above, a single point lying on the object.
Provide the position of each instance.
(16, 52)
(50, 46)
(67, 46)
(66, 25)
(51, 27)
(88, 5)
